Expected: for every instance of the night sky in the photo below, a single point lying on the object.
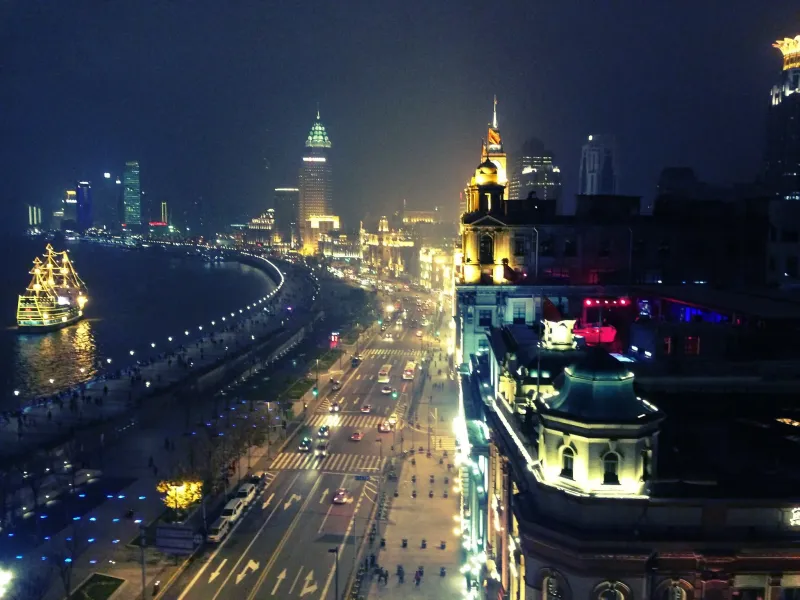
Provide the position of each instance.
(215, 98)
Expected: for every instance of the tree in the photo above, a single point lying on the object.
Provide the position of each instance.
(180, 495)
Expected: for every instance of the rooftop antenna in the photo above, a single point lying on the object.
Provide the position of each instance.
(317, 110)
(494, 113)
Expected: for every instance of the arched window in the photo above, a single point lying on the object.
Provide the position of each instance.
(486, 250)
(567, 462)
(611, 469)
(610, 594)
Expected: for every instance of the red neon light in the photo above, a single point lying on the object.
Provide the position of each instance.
(623, 301)
(588, 302)
(157, 224)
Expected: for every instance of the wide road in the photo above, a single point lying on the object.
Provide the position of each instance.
(286, 545)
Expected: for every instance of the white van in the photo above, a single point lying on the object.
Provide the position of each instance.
(218, 530)
(247, 493)
(233, 510)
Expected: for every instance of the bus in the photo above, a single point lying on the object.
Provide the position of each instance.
(408, 371)
(383, 374)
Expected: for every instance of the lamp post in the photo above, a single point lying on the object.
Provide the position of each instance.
(335, 552)
(380, 485)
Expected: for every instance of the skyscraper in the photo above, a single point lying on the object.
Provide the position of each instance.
(85, 218)
(316, 181)
(493, 150)
(532, 170)
(783, 125)
(132, 195)
(285, 202)
(164, 213)
(598, 174)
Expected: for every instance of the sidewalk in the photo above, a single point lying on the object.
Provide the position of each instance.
(432, 519)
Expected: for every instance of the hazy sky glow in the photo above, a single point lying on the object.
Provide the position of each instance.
(206, 94)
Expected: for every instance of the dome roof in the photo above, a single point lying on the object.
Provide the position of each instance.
(486, 173)
(599, 389)
(318, 137)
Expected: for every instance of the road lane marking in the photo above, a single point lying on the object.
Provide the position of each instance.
(278, 580)
(309, 586)
(276, 552)
(330, 508)
(324, 495)
(288, 504)
(296, 577)
(225, 541)
(250, 566)
(266, 502)
(218, 572)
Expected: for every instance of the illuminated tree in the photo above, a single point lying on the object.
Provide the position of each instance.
(180, 495)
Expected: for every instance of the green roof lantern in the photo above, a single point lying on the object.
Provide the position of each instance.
(318, 137)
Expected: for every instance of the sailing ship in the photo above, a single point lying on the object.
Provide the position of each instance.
(55, 297)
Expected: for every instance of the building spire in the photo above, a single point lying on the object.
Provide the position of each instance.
(494, 113)
(318, 109)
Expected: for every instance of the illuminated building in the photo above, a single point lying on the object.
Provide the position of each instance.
(493, 150)
(436, 269)
(414, 217)
(340, 246)
(315, 228)
(598, 174)
(315, 179)
(783, 125)
(164, 213)
(260, 229)
(285, 202)
(108, 199)
(84, 215)
(132, 194)
(34, 216)
(533, 171)
(388, 251)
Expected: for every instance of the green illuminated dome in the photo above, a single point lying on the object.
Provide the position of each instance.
(318, 137)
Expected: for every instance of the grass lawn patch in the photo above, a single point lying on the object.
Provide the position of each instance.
(97, 587)
(298, 389)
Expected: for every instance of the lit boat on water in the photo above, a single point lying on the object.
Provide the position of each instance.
(55, 297)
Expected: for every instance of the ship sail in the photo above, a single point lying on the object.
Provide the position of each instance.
(56, 295)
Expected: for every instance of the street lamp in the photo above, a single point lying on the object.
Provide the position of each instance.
(52, 380)
(108, 360)
(16, 392)
(169, 338)
(132, 352)
(152, 344)
(335, 552)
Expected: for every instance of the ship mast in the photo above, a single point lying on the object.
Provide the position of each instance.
(40, 285)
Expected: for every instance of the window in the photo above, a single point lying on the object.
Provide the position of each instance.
(666, 348)
(646, 467)
(567, 462)
(485, 318)
(611, 469)
(519, 313)
(748, 594)
(570, 247)
(691, 345)
(486, 252)
(604, 249)
(483, 344)
(519, 246)
(791, 266)
(789, 236)
(546, 247)
(553, 591)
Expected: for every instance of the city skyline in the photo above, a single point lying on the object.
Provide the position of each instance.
(182, 151)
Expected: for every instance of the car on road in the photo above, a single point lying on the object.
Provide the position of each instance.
(366, 408)
(354, 362)
(305, 445)
(258, 479)
(233, 510)
(425, 322)
(342, 496)
(324, 431)
(218, 530)
(392, 420)
(334, 407)
(419, 333)
(387, 389)
(322, 449)
(388, 337)
(357, 436)
(336, 384)
(384, 427)
(247, 493)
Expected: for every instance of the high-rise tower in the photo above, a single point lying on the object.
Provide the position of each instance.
(85, 217)
(532, 170)
(783, 125)
(315, 178)
(598, 166)
(132, 194)
(493, 150)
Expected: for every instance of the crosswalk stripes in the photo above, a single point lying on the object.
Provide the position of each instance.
(389, 352)
(339, 420)
(342, 463)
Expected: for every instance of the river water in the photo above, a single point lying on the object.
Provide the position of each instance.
(136, 298)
